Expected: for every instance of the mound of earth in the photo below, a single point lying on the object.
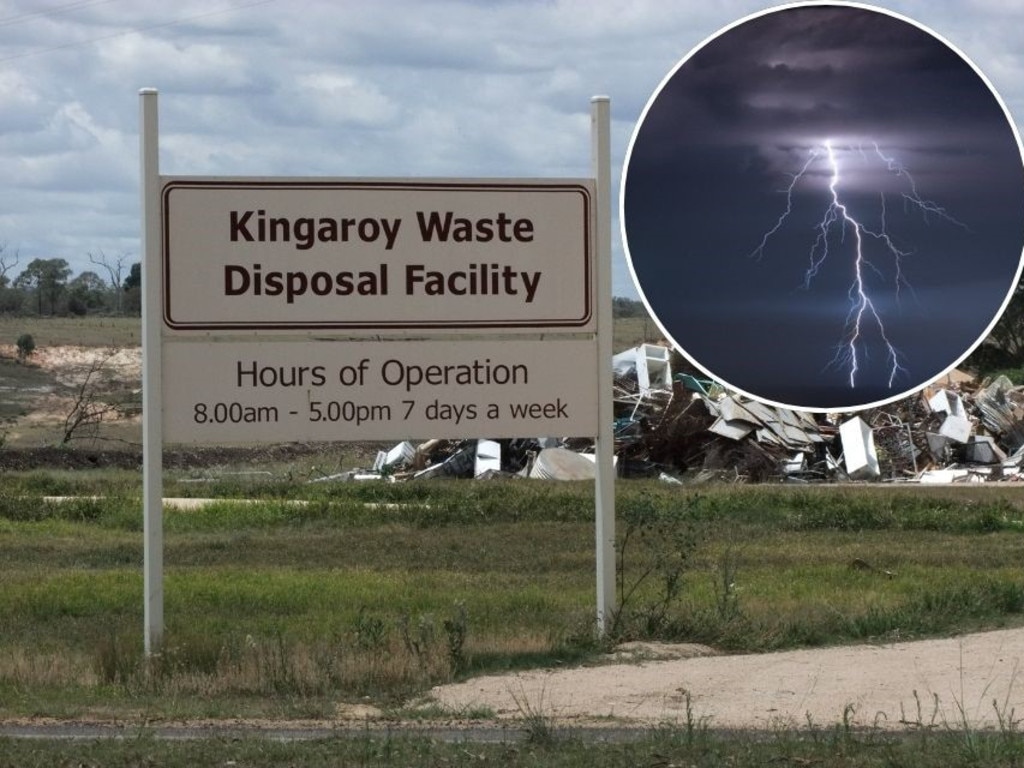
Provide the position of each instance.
(195, 457)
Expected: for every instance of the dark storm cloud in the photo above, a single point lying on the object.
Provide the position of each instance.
(726, 136)
(806, 72)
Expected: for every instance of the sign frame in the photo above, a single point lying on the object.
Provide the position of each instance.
(400, 194)
(155, 333)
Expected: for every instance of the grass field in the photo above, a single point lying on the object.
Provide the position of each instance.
(73, 331)
(318, 597)
(284, 610)
(375, 592)
(659, 747)
(119, 332)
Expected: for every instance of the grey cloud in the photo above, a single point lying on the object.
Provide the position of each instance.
(440, 88)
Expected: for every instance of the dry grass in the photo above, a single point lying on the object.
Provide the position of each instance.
(114, 332)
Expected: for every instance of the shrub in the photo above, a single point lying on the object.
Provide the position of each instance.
(26, 346)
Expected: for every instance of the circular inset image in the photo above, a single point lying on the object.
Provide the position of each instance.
(823, 206)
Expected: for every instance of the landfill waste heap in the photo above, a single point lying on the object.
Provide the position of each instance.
(683, 428)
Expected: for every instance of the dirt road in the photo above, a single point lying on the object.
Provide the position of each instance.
(971, 679)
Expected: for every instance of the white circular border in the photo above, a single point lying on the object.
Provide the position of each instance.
(629, 153)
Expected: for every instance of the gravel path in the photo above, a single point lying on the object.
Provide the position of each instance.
(947, 683)
(970, 679)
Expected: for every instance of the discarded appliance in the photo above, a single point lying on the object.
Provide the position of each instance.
(1001, 409)
(956, 426)
(488, 457)
(982, 449)
(859, 449)
(649, 364)
(561, 464)
(401, 455)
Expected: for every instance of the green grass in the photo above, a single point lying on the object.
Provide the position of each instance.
(659, 747)
(629, 332)
(73, 331)
(1015, 375)
(93, 331)
(381, 590)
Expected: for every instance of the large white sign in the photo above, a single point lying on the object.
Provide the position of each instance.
(232, 262)
(328, 254)
(275, 391)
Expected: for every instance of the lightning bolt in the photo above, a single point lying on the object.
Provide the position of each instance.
(836, 225)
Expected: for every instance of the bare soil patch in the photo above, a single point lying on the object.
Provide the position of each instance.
(972, 680)
(38, 395)
(85, 457)
(35, 398)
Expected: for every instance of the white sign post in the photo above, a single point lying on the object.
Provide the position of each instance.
(604, 488)
(152, 372)
(279, 259)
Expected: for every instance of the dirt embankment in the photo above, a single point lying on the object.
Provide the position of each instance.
(32, 437)
(90, 457)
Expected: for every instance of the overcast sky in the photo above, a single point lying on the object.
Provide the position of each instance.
(825, 207)
(310, 87)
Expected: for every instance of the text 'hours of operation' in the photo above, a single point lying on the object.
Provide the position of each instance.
(249, 391)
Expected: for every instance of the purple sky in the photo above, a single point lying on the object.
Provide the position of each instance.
(708, 173)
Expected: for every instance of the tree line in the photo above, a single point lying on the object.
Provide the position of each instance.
(45, 287)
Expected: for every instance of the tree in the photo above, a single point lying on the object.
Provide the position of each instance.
(134, 279)
(623, 307)
(48, 278)
(10, 299)
(115, 269)
(1004, 346)
(6, 265)
(86, 293)
(89, 409)
(1008, 333)
(133, 290)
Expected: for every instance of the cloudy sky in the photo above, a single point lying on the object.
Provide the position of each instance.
(346, 88)
(825, 207)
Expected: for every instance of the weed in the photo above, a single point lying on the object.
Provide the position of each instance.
(846, 728)
(455, 629)
(418, 639)
(370, 631)
(116, 662)
(538, 724)
(727, 601)
(696, 728)
(918, 721)
(665, 540)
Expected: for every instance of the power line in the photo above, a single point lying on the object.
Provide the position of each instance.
(55, 11)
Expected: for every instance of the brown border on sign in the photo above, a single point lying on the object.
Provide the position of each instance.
(497, 323)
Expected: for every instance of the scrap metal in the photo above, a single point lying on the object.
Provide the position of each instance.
(680, 426)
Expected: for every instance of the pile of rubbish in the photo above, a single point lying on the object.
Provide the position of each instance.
(684, 428)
